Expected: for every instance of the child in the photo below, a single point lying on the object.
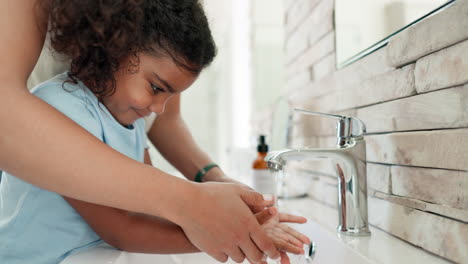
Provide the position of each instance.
(117, 77)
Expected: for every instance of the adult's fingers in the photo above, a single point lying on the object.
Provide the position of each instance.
(266, 215)
(283, 217)
(252, 198)
(265, 244)
(285, 258)
(256, 209)
(236, 254)
(252, 252)
(221, 257)
(262, 261)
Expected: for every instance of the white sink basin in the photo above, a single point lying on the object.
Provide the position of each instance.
(329, 249)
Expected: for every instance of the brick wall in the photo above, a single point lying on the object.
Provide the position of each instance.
(413, 96)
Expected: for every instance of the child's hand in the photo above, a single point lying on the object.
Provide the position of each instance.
(284, 237)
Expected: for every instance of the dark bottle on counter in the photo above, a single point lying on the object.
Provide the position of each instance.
(263, 180)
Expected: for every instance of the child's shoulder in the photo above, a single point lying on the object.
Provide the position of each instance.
(68, 97)
(72, 99)
(59, 89)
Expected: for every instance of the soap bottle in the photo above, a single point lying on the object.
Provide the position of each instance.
(263, 180)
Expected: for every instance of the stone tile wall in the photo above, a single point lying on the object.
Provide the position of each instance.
(413, 96)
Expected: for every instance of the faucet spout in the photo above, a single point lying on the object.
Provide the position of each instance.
(349, 162)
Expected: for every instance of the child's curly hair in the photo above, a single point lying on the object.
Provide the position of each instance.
(98, 34)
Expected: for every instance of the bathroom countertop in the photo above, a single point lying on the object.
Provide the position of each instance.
(379, 247)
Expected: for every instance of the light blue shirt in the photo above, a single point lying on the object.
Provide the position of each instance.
(38, 226)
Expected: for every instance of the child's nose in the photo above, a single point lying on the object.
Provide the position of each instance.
(159, 105)
(158, 108)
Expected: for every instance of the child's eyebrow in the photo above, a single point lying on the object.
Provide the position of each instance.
(168, 86)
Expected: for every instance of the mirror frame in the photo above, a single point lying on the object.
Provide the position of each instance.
(382, 43)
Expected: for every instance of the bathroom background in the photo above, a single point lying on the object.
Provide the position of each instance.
(413, 96)
(275, 55)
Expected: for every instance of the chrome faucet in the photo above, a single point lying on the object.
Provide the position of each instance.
(349, 161)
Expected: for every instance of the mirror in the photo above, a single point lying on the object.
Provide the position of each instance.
(363, 26)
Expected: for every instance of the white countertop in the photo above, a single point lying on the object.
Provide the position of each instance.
(380, 247)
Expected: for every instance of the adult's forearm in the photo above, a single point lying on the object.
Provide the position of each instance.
(40, 145)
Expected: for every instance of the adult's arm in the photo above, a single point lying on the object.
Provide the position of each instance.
(40, 145)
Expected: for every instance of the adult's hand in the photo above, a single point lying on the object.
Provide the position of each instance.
(219, 222)
(221, 177)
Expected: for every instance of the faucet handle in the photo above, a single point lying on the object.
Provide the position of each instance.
(346, 128)
(307, 112)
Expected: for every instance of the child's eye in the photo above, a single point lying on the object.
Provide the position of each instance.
(156, 89)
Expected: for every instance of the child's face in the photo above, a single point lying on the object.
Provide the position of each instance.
(148, 90)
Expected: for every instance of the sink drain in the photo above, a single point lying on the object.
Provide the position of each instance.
(311, 252)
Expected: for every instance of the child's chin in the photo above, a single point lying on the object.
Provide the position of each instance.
(131, 122)
(127, 122)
